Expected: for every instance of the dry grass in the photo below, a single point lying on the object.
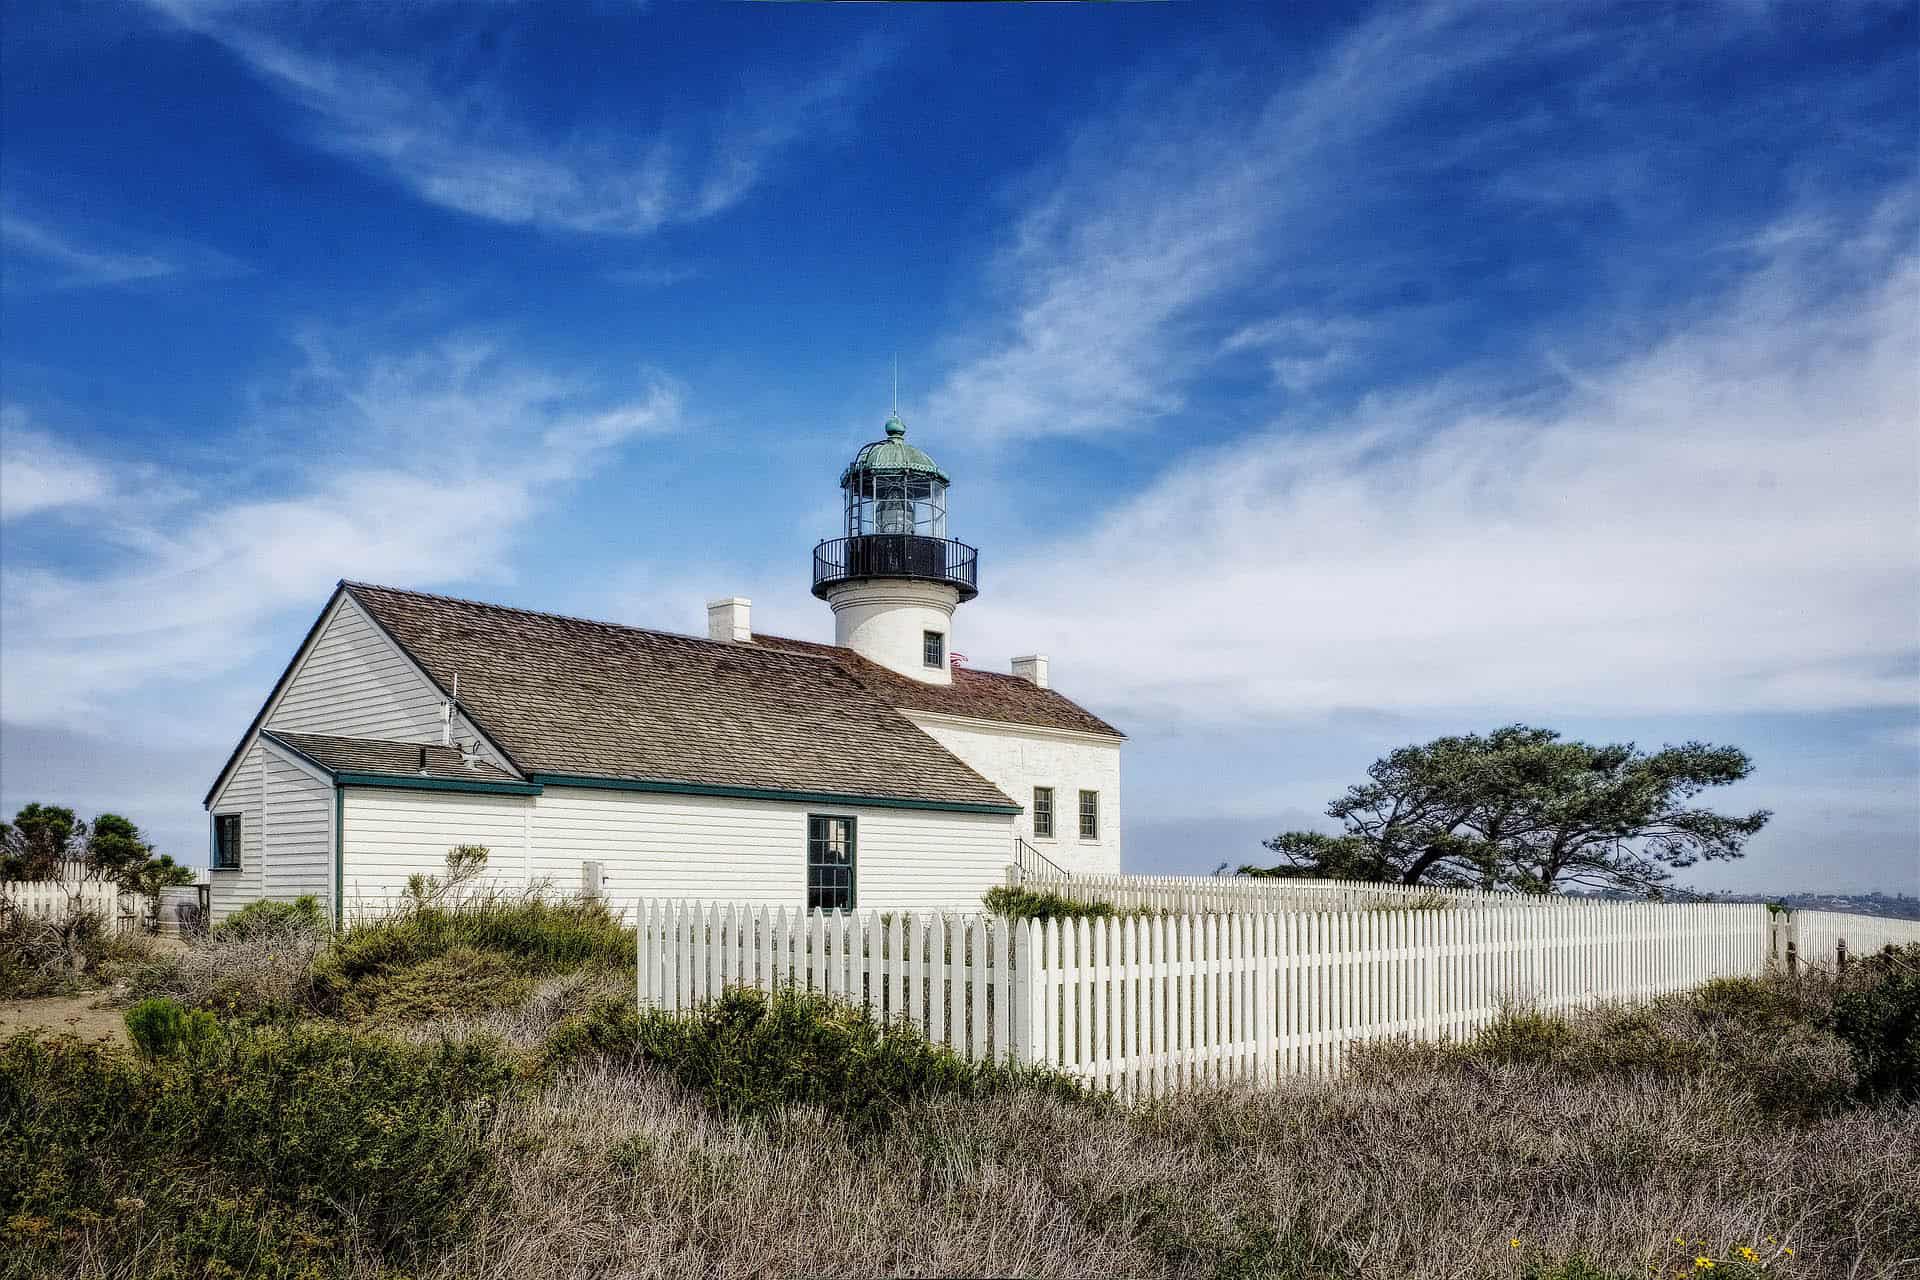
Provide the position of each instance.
(615, 1171)
(265, 972)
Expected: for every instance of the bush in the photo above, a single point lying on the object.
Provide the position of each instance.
(1036, 904)
(258, 1152)
(272, 918)
(539, 938)
(456, 982)
(749, 1053)
(161, 1028)
(1877, 1013)
(41, 957)
(257, 974)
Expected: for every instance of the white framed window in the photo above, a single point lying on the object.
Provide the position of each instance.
(933, 648)
(830, 863)
(1089, 815)
(1043, 813)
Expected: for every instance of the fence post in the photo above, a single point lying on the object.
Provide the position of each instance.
(1025, 988)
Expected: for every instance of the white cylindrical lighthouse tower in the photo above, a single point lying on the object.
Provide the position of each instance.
(895, 578)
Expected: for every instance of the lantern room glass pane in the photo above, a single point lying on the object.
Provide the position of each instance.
(896, 502)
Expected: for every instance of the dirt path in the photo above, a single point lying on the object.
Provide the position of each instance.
(77, 1014)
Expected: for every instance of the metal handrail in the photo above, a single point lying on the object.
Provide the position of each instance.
(1032, 862)
(897, 555)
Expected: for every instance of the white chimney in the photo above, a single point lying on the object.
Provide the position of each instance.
(1032, 667)
(727, 619)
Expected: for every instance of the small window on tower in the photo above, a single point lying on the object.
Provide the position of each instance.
(933, 647)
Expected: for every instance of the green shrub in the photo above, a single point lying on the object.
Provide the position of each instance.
(1877, 1013)
(162, 1028)
(538, 937)
(460, 981)
(260, 1155)
(270, 917)
(749, 1053)
(1036, 904)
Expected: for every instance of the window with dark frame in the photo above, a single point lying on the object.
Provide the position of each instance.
(226, 842)
(1089, 815)
(1043, 813)
(933, 647)
(830, 854)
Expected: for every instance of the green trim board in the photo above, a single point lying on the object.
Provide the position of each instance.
(765, 793)
(403, 782)
(339, 856)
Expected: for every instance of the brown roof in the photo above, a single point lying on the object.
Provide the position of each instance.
(567, 696)
(373, 755)
(979, 695)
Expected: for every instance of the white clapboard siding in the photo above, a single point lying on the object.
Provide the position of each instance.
(297, 826)
(669, 846)
(58, 899)
(391, 834)
(1819, 934)
(355, 683)
(1145, 1003)
(230, 890)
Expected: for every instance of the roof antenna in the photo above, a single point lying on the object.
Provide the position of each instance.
(896, 384)
(446, 714)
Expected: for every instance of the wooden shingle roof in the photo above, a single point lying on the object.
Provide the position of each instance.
(572, 698)
(974, 694)
(380, 756)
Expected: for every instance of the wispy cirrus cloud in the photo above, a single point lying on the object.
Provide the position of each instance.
(456, 447)
(1331, 216)
(454, 140)
(42, 253)
(1721, 521)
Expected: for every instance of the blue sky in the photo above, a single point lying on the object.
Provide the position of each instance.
(1313, 380)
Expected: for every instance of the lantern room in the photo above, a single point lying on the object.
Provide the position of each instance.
(895, 501)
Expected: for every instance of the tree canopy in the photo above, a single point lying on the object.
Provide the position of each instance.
(1521, 808)
(42, 839)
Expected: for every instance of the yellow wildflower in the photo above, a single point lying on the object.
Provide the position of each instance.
(1703, 1264)
(1514, 1243)
(1746, 1251)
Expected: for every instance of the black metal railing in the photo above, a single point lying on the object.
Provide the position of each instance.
(897, 555)
(1035, 864)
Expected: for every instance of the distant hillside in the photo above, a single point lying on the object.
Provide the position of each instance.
(1899, 906)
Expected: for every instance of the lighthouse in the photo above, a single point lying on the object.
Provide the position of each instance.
(894, 577)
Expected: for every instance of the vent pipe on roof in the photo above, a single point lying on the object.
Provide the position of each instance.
(423, 762)
(728, 620)
(1032, 668)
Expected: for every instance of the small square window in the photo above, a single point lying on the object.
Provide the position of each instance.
(1089, 815)
(933, 647)
(1043, 813)
(226, 842)
(829, 863)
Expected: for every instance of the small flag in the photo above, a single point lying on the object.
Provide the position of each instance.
(957, 659)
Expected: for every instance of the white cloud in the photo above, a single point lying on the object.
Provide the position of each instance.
(39, 473)
(1184, 194)
(1724, 521)
(417, 469)
(462, 148)
(69, 260)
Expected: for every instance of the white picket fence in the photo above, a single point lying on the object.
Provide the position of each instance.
(55, 899)
(1145, 1004)
(1819, 935)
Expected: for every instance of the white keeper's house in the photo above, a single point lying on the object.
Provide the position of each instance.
(872, 772)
